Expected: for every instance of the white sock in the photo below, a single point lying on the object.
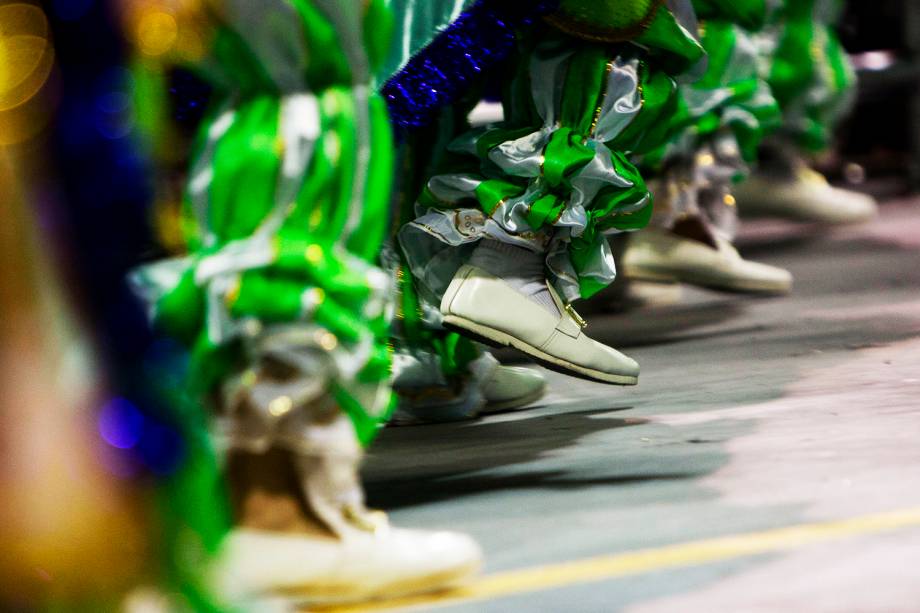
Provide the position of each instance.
(522, 269)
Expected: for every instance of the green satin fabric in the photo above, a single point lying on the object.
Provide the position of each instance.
(412, 332)
(672, 45)
(324, 244)
(651, 128)
(614, 198)
(307, 248)
(582, 94)
(731, 96)
(748, 14)
(810, 73)
(666, 36)
(416, 23)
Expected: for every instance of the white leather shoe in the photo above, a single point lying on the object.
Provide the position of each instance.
(512, 387)
(436, 404)
(658, 255)
(424, 397)
(485, 307)
(808, 198)
(646, 294)
(258, 567)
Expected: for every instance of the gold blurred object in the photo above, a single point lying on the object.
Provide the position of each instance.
(26, 63)
(280, 406)
(26, 55)
(705, 159)
(327, 341)
(157, 33)
(168, 224)
(169, 30)
(70, 532)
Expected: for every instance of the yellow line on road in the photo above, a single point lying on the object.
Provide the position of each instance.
(565, 574)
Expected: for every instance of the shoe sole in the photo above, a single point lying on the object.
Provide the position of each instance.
(497, 338)
(796, 216)
(325, 594)
(431, 415)
(713, 283)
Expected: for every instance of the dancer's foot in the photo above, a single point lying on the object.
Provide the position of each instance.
(638, 294)
(303, 535)
(805, 196)
(511, 387)
(659, 255)
(424, 396)
(488, 308)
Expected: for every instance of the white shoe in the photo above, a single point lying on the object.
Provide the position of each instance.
(809, 197)
(256, 567)
(424, 397)
(485, 307)
(512, 387)
(436, 404)
(358, 557)
(658, 255)
(650, 294)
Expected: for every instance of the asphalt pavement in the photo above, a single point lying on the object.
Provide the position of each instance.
(769, 459)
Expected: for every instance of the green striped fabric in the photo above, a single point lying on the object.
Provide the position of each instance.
(287, 201)
(731, 97)
(556, 174)
(809, 71)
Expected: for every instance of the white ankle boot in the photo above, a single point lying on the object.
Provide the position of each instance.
(512, 387)
(658, 255)
(806, 197)
(354, 554)
(485, 307)
(378, 563)
(424, 396)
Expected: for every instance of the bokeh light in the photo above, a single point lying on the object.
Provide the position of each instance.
(121, 424)
(157, 32)
(26, 62)
(114, 112)
(26, 55)
(174, 30)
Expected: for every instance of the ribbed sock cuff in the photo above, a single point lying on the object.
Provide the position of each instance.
(522, 269)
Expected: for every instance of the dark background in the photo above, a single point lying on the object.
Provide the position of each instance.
(883, 133)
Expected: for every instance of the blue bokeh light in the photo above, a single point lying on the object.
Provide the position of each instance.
(121, 424)
(114, 116)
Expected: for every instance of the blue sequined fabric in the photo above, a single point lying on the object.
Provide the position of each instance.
(445, 70)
